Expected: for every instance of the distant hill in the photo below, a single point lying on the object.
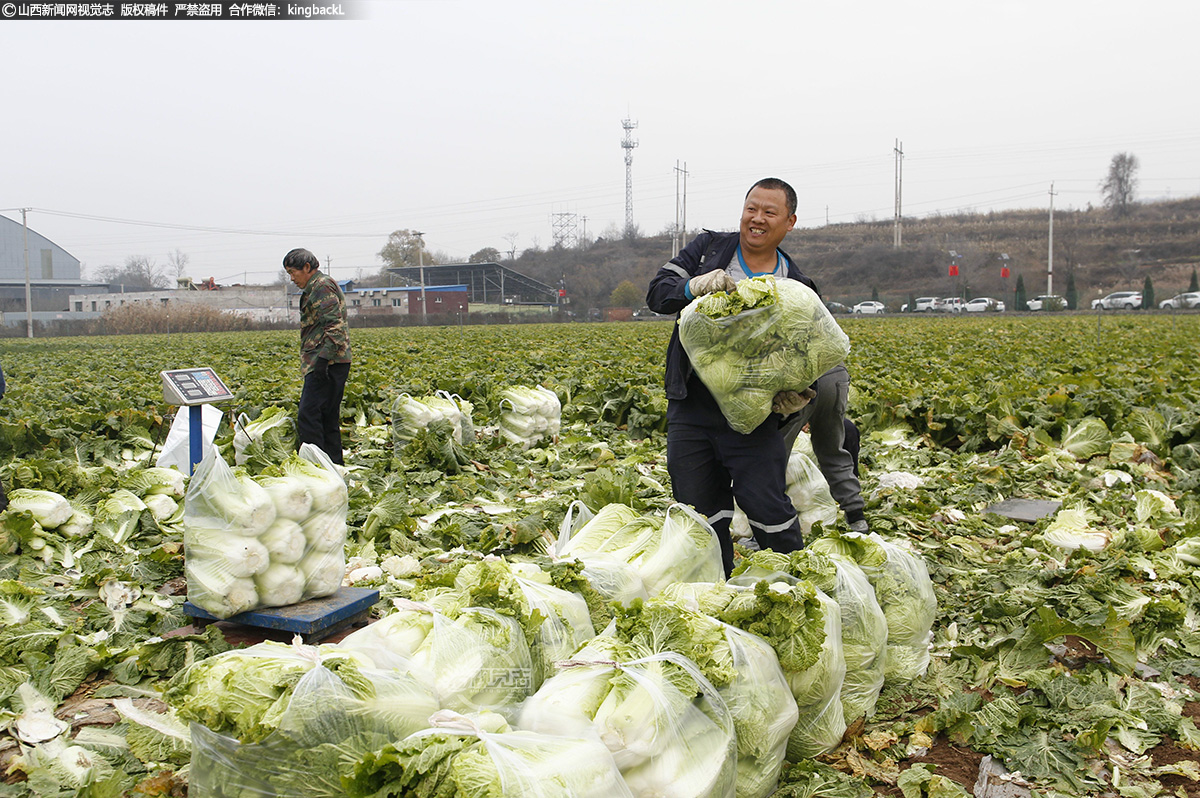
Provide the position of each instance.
(850, 261)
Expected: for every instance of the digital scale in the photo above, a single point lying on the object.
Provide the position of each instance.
(314, 619)
(192, 388)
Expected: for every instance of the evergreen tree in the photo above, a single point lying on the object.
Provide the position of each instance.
(874, 294)
(1072, 294)
(1148, 293)
(1019, 295)
(912, 303)
(1194, 285)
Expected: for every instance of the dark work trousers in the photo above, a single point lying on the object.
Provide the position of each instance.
(711, 466)
(319, 418)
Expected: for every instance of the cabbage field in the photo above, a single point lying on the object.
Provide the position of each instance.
(1067, 649)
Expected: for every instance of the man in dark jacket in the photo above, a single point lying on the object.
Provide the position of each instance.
(710, 464)
(324, 353)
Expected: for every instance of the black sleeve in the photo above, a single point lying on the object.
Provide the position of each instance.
(667, 289)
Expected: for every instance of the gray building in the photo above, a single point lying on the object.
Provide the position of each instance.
(54, 273)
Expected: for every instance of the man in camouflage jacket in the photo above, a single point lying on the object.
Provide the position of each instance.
(324, 353)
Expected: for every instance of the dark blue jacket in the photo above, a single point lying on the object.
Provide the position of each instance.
(2, 382)
(707, 252)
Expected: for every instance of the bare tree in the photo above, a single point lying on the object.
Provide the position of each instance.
(1119, 186)
(178, 262)
(138, 274)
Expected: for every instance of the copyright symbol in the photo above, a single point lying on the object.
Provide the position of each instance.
(9, 10)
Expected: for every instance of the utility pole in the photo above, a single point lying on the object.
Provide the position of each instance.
(680, 210)
(329, 265)
(1050, 253)
(898, 152)
(421, 272)
(28, 290)
(628, 144)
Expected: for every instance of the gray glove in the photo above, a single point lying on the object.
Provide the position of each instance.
(711, 283)
(786, 403)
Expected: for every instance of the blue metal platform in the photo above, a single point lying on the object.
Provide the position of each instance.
(313, 620)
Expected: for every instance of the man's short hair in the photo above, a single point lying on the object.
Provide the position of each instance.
(775, 184)
(299, 258)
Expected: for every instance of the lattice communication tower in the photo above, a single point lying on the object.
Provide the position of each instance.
(628, 144)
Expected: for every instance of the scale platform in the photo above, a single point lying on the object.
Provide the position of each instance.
(313, 620)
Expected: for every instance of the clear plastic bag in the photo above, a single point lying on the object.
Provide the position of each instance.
(410, 416)
(476, 661)
(249, 545)
(818, 693)
(864, 626)
(741, 666)
(566, 626)
(527, 415)
(680, 547)
(746, 358)
(904, 590)
(467, 755)
(667, 727)
(296, 733)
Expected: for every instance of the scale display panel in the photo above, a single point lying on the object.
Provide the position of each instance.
(194, 386)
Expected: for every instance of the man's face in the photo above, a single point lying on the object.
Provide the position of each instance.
(301, 276)
(765, 219)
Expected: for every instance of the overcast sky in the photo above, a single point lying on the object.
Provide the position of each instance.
(476, 121)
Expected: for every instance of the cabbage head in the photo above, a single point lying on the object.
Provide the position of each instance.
(767, 336)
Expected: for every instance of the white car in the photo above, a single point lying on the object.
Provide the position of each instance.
(1127, 300)
(1047, 302)
(924, 304)
(949, 304)
(981, 304)
(1189, 300)
(870, 306)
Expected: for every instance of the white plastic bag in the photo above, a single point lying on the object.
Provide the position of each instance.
(247, 546)
(178, 447)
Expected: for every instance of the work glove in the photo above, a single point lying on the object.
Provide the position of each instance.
(711, 283)
(321, 369)
(787, 403)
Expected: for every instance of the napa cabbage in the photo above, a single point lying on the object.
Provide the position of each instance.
(904, 591)
(48, 508)
(668, 729)
(767, 336)
(679, 547)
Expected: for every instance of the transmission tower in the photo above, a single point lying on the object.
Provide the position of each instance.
(564, 229)
(628, 143)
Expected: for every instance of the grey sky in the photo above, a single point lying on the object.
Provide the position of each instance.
(476, 119)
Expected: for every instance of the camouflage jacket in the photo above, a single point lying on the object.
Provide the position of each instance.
(323, 329)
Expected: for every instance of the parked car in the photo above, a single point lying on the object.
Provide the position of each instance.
(837, 307)
(981, 304)
(1127, 300)
(949, 304)
(1047, 302)
(923, 304)
(1189, 300)
(870, 306)
(646, 314)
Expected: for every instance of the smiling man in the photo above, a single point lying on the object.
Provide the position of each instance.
(710, 464)
(324, 353)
